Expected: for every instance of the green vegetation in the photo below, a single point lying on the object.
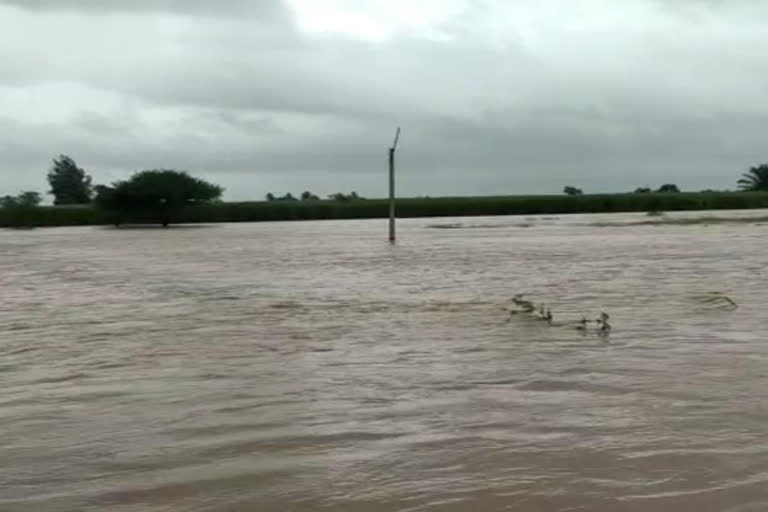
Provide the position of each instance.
(345, 198)
(476, 206)
(21, 211)
(158, 196)
(165, 196)
(755, 179)
(668, 188)
(309, 196)
(69, 183)
(206, 211)
(286, 197)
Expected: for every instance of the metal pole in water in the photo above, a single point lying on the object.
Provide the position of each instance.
(392, 187)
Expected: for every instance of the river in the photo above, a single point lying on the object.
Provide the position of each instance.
(313, 366)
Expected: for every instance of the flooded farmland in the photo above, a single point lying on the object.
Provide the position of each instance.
(313, 366)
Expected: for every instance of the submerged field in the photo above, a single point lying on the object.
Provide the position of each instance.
(312, 366)
(420, 207)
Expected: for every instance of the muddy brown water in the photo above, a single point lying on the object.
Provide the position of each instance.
(312, 366)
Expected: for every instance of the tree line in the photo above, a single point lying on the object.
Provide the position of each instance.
(755, 180)
(667, 188)
(160, 195)
(309, 196)
(155, 195)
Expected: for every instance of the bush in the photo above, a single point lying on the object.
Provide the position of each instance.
(20, 211)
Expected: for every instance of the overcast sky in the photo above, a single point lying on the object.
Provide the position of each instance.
(493, 96)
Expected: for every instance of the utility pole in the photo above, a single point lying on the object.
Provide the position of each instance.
(392, 187)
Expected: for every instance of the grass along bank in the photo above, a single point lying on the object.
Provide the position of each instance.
(49, 216)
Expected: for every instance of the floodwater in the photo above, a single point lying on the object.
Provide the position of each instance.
(312, 366)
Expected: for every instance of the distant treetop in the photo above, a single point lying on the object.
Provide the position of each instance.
(25, 199)
(668, 187)
(755, 179)
(340, 196)
(69, 183)
(20, 210)
(572, 191)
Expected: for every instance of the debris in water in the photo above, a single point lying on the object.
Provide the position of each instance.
(715, 300)
(543, 312)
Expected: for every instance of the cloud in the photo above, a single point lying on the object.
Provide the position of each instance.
(492, 96)
(262, 9)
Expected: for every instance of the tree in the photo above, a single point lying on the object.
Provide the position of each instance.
(25, 199)
(668, 188)
(755, 179)
(159, 195)
(69, 183)
(286, 197)
(308, 196)
(339, 196)
(643, 190)
(572, 191)
(30, 199)
(19, 211)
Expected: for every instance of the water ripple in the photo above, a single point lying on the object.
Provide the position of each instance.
(312, 366)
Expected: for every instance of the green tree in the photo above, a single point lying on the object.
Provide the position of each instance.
(69, 183)
(20, 210)
(270, 196)
(308, 196)
(643, 190)
(157, 196)
(755, 179)
(26, 199)
(668, 188)
(341, 197)
(30, 199)
(572, 191)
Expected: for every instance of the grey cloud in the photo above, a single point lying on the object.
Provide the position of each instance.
(270, 108)
(525, 157)
(263, 9)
